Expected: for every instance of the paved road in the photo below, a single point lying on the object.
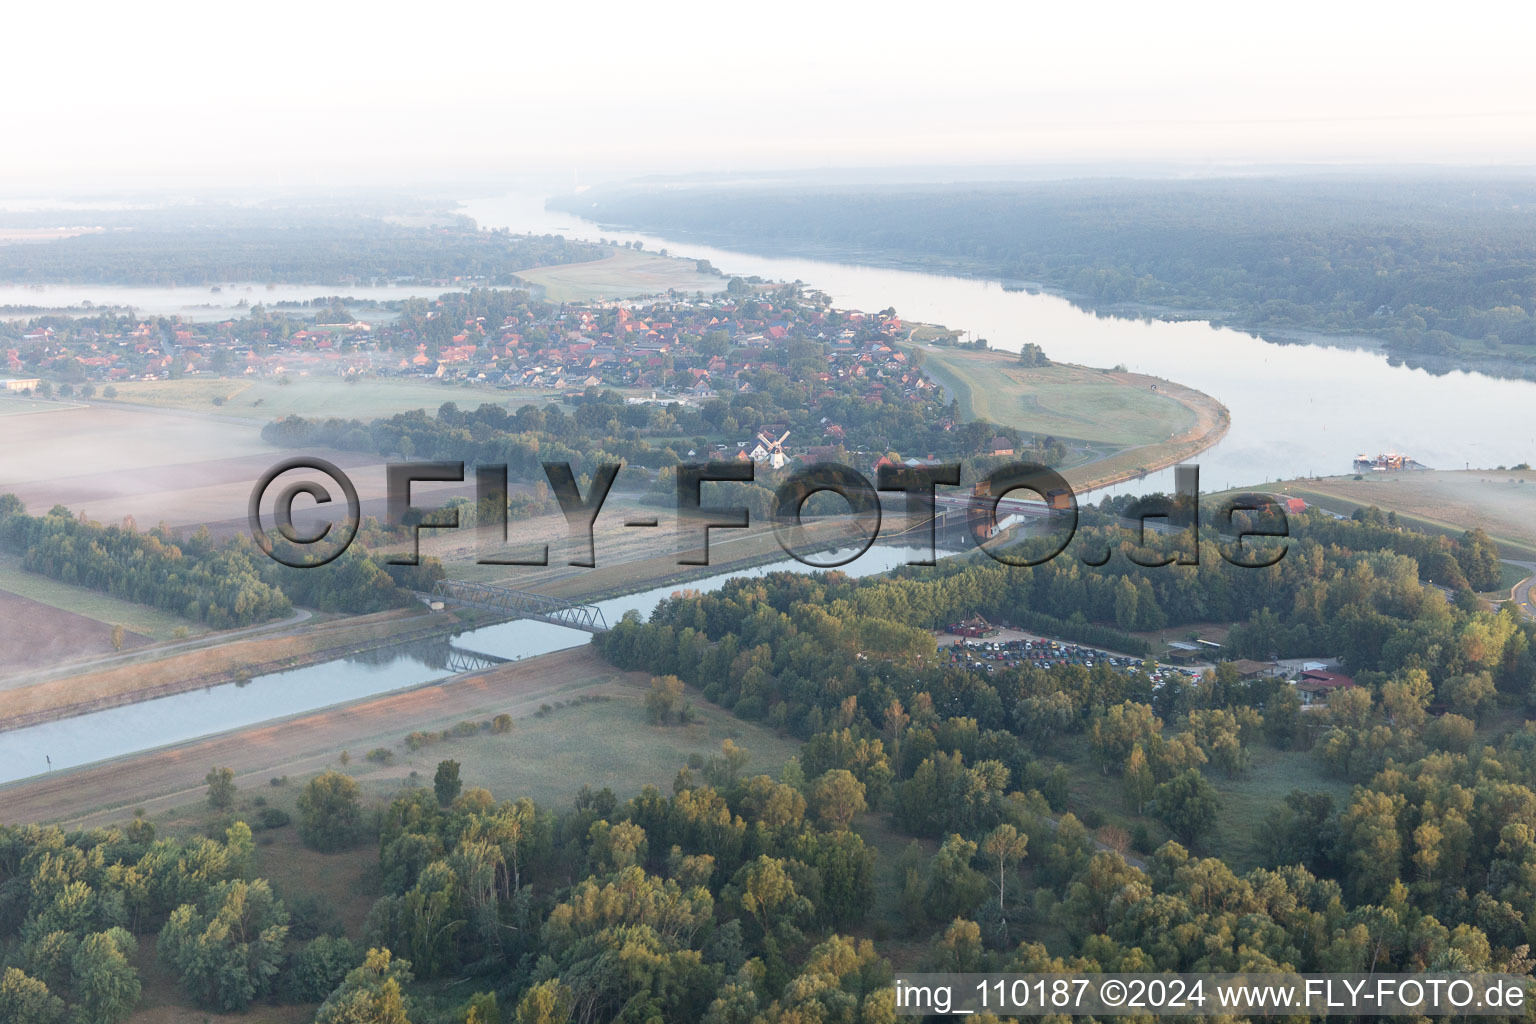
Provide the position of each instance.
(1521, 593)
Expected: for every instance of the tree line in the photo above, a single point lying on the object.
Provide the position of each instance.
(337, 250)
(225, 585)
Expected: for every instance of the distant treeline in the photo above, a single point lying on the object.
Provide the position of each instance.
(339, 251)
(1443, 271)
(523, 439)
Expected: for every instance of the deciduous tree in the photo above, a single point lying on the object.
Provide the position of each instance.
(221, 788)
(330, 814)
(446, 784)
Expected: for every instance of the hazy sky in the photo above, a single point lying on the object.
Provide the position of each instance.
(134, 95)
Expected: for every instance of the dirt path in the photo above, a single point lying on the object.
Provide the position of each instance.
(105, 792)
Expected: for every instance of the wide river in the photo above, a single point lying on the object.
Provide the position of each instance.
(1296, 410)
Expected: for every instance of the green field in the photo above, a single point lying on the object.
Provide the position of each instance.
(1064, 401)
(602, 743)
(550, 755)
(137, 618)
(1244, 802)
(625, 274)
(368, 398)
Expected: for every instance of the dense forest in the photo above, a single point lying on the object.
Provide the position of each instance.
(785, 649)
(1426, 865)
(1440, 270)
(703, 904)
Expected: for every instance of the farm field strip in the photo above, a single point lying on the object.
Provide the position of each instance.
(151, 622)
(623, 274)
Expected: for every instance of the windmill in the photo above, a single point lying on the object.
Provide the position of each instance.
(775, 449)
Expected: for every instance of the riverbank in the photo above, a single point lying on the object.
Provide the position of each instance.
(549, 699)
(238, 661)
(301, 743)
(1152, 423)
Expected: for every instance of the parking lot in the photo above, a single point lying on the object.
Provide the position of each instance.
(1011, 648)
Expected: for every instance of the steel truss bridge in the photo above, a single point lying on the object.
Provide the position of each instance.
(519, 604)
(461, 660)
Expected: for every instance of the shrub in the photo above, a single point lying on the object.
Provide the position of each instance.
(381, 755)
(273, 817)
(221, 788)
(665, 703)
(501, 723)
(317, 969)
(1141, 839)
(310, 916)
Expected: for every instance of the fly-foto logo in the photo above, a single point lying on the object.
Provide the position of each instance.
(982, 511)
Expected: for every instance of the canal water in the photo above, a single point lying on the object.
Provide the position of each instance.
(132, 728)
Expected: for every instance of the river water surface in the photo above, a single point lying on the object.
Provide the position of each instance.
(1297, 410)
